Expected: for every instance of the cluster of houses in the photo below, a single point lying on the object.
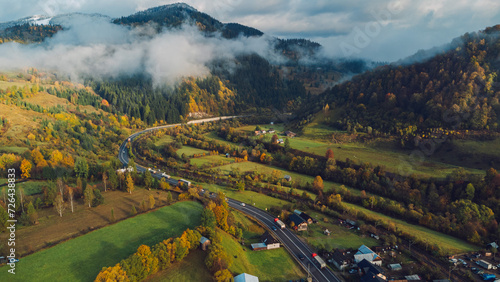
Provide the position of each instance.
(287, 133)
(261, 132)
(299, 220)
(366, 263)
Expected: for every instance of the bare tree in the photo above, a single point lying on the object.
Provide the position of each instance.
(20, 191)
(60, 187)
(59, 204)
(70, 198)
(105, 180)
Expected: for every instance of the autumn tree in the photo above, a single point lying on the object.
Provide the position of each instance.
(60, 186)
(274, 139)
(151, 201)
(318, 183)
(329, 154)
(208, 218)
(4, 217)
(59, 204)
(164, 184)
(32, 214)
(89, 196)
(25, 169)
(71, 198)
(56, 157)
(129, 183)
(224, 276)
(148, 179)
(169, 197)
(105, 180)
(115, 273)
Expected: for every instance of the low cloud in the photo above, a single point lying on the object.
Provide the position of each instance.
(91, 45)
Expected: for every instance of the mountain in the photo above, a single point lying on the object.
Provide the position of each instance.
(455, 89)
(175, 15)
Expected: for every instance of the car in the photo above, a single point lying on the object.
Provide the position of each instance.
(243, 204)
(480, 272)
(353, 271)
(301, 256)
(274, 228)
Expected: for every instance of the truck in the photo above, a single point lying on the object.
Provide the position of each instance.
(164, 175)
(184, 182)
(279, 223)
(319, 260)
(484, 264)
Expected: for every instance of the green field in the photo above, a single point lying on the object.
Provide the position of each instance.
(183, 270)
(214, 159)
(449, 244)
(340, 238)
(32, 187)
(268, 265)
(165, 139)
(190, 151)
(82, 258)
(13, 149)
(261, 201)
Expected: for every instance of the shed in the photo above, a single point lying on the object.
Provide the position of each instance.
(413, 277)
(288, 178)
(493, 245)
(245, 277)
(258, 246)
(204, 243)
(395, 266)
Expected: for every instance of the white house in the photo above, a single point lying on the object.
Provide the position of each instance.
(366, 253)
(245, 277)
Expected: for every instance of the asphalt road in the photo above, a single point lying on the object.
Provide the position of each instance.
(287, 238)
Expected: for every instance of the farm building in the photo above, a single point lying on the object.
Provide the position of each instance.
(287, 178)
(245, 277)
(492, 245)
(370, 272)
(290, 134)
(258, 246)
(204, 243)
(413, 277)
(365, 253)
(270, 241)
(299, 224)
(281, 141)
(395, 266)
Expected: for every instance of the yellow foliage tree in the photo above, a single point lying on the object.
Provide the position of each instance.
(115, 273)
(68, 161)
(25, 168)
(56, 157)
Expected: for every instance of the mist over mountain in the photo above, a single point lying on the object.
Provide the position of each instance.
(167, 42)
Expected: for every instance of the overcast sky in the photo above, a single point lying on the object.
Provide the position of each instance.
(376, 29)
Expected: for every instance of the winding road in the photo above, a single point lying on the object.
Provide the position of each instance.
(287, 238)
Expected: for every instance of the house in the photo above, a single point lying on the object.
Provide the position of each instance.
(413, 277)
(340, 260)
(370, 272)
(270, 241)
(204, 243)
(245, 277)
(492, 245)
(350, 222)
(299, 224)
(366, 253)
(258, 246)
(287, 178)
(257, 132)
(280, 141)
(290, 134)
(271, 123)
(304, 216)
(395, 266)
(327, 232)
(271, 130)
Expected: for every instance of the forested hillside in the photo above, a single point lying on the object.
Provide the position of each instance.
(27, 33)
(457, 89)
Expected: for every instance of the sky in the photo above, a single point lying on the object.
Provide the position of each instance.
(379, 30)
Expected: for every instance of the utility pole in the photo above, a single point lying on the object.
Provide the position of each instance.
(309, 277)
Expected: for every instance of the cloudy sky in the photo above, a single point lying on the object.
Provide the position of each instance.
(376, 29)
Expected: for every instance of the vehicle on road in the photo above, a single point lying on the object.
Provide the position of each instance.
(279, 223)
(319, 260)
(301, 256)
(242, 204)
(274, 228)
(164, 175)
